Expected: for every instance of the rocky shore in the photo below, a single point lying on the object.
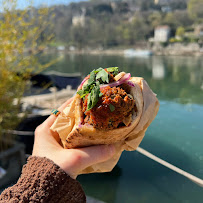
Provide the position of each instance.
(178, 49)
(175, 49)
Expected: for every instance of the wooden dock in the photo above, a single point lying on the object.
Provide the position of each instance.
(43, 103)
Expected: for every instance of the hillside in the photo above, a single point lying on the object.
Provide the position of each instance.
(117, 23)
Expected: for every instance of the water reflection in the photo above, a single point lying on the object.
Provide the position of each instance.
(158, 69)
(172, 78)
(175, 135)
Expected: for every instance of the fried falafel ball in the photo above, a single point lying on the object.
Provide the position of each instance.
(112, 109)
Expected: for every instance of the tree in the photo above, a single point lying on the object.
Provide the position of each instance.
(146, 4)
(180, 31)
(22, 37)
(139, 28)
(155, 19)
(123, 34)
(182, 18)
(195, 9)
(78, 35)
(170, 20)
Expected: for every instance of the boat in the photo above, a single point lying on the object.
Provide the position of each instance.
(46, 91)
(53, 79)
(137, 53)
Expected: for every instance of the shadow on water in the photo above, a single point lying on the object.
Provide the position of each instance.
(154, 182)
(137, 178)
(102, 186)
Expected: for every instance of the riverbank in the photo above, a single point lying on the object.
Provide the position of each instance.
(175, 49)
(178, 49)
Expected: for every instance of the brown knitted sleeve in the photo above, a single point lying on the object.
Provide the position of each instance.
(43, 181)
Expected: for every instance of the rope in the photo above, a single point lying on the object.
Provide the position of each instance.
(172, 167)
(140, 150)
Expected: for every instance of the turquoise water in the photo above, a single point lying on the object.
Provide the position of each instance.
(176, 135)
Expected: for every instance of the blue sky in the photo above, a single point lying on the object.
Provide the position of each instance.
(36, 3)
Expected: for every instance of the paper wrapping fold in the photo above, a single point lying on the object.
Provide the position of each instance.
(65, 123)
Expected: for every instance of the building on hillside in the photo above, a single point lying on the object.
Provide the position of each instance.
(198, 30)
(166, 9)
(162, 2)
(79, 19)
(162, 33)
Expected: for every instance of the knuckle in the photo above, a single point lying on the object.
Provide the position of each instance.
(77, 157)
(38, 130)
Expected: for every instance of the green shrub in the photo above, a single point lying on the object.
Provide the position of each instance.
(21, 39)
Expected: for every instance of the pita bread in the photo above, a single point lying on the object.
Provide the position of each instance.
(75, 135)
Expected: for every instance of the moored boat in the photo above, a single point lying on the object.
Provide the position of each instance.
(137, 53)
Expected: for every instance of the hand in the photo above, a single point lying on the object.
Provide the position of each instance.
(72, 161)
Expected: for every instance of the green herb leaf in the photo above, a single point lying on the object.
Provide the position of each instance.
(84, 91)
(80, 92)
(93, 97)
(99, 69)
(100, 94)
(113, 70)
(92, 78)
(97, 83)
(86, 87)
(92, 88)
(112, 107)
(103, 75)
(89, 102)
(83, 96)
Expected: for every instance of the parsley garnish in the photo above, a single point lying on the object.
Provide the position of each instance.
(103, 75)
(112, 107)
(113, 70)
(85, 90)
(100, 94)
(92, 88)
(92, 78)
(96, 71)
(93, 97)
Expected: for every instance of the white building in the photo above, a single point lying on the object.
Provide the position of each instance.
(79, 19)
(198, 31)
(162, 33)
(162, 2)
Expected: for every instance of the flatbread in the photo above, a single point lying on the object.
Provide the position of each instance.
(75, 135)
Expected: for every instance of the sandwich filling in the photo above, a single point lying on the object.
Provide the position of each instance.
(107, 103)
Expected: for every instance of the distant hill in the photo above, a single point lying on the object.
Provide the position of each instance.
(102, 23)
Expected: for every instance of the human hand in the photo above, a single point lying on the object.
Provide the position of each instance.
(72, 161)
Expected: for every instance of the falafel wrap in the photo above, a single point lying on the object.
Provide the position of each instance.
(110, 107)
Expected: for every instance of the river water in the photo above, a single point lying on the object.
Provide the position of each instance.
(176, 135)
